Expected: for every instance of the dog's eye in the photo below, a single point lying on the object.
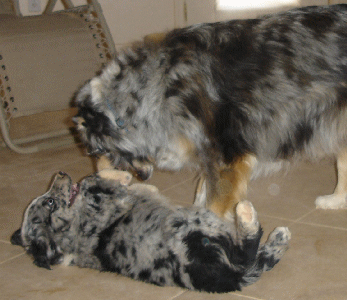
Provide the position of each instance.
(205, 241)
(120, 122)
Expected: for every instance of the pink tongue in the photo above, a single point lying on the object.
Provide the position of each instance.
(74, 192)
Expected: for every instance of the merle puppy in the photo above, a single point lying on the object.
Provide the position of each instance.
(107, 225)
(232, 98)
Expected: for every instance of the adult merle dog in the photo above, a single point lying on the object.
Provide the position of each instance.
(107, 225)
(232, 98)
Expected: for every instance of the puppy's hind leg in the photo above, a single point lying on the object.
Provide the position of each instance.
(268, 254)
(338, 199)
(249, 231)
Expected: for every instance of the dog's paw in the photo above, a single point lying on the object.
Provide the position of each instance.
(334, 201)
(123, 177)
(247, 217)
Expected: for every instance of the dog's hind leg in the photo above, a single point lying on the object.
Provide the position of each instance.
(232, 185)
(201, 193)
(338, 198)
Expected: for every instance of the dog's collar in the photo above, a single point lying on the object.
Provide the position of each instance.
(119, 121)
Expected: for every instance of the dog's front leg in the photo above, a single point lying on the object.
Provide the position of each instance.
(231, 186)
(338, 198)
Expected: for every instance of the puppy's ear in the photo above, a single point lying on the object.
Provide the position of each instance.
(16, 238)
(45, 253)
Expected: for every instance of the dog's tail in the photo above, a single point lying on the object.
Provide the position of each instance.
(268, 255)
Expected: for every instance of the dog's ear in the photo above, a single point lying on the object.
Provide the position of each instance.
(16, 238)
(45, 253)
(98, 85)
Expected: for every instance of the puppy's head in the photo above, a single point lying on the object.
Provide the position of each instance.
(48, 218)
(46, 215)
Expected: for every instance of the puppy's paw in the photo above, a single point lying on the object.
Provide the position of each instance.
(104, 163)
(247, 217)
(140, 187)
(280, 237)
(334, 201)
(275, 247)
(123, 177)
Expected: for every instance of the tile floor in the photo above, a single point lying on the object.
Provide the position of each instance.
(315, 266)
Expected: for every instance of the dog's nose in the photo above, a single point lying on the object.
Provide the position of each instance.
(79, 121)
(62, 174)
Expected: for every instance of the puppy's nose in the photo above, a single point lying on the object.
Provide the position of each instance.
(62, 174)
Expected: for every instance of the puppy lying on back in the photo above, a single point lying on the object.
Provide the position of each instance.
(104, 224)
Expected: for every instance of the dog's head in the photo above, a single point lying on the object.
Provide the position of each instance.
(144, 109)
(46, 215)
(112, 119)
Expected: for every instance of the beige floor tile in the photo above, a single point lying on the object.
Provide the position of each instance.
(330, 218)
(291, 193)
(313, 268)
(8, 252)
(20, 279)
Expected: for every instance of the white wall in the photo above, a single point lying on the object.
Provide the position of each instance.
(130, 20)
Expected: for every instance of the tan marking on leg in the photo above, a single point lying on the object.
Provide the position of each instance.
(123, 177)
(232, 185)
(103, 163)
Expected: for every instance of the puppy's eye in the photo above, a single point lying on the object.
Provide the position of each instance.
(50, 202)
(205, 241)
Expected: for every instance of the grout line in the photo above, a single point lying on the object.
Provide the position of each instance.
(297, 221)
(248, 297)
(305, 215)
(5, 242)
(178, 295)
(177, 184)
(274, 217)
(12, 258)
(323, 226)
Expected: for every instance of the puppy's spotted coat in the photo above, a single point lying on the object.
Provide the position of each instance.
(132, 230)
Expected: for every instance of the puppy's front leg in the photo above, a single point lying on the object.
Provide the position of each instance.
(249, 231)
(232, 185)
(338, 198)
